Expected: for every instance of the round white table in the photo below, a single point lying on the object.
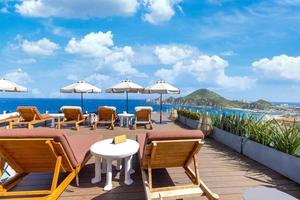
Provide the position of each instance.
(56, 116)
(108, 151)
(125, 117)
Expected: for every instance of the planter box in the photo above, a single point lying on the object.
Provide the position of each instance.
(280, 162)
(194, 124)
(229, 139)
(181, 119)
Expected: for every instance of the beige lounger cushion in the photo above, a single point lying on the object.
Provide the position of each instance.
(147, 138)
(76, 146)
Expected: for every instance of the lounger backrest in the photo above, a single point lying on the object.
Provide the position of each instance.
(32, 150)
(29, 113)
(143, 115)
(33, 155)
(171, 153)
(106, 114)
(72, 113)
(171, 149)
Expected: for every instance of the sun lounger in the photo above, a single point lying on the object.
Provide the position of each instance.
(107, 116)
(72, 115)
(29, 115)
(169, 149)
(143, 116)
(9, 117)
(43, 150)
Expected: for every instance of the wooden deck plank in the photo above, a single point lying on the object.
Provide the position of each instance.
(225, 172)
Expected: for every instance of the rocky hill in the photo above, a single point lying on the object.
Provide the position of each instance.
(205, 97)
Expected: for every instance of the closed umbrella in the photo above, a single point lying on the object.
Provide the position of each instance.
(80, 87)
(9, 86)
(125, 86)
(161, 87)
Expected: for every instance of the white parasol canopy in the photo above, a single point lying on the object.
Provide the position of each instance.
(80, 87)
(8, 86)
(125, 86)
(161, 87)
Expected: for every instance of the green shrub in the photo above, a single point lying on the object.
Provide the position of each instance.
(283, 137)
(189, 114)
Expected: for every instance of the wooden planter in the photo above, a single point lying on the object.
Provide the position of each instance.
(233, 141)
(280, 162)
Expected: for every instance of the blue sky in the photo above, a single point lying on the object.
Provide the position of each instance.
(244, 49)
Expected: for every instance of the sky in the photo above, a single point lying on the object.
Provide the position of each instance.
(241, 49)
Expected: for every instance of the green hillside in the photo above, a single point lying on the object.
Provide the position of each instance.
(205, 97)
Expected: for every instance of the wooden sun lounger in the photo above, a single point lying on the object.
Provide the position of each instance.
(42, 150)
(72, 115)
(29, 116)
(172, 149)
(107, 116)
(143, 117)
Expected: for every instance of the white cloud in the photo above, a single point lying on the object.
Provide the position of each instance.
(91, 45)
(25, 61)
(100, 46)
(77, 8)
(170, 54)
(279, 67)
(18, 76)
(228, 53)
(41, 47)
(204, 68)
(159, 11)
(98, 79)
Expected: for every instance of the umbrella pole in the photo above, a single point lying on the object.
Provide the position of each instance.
(160, 117)
(82, 101)
(126, 101)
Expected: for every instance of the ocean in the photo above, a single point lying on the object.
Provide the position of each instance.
(90, 105)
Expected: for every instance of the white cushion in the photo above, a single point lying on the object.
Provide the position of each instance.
(138, 108)
(70, 107)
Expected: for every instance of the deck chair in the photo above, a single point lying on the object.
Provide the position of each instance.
(143, 116)
(167, 149)
(107, 116)
(9, 117)
(29, 115)
(43, 150)
(72, 115)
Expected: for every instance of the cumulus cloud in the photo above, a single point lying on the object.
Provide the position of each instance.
(77, 8)
(205, 68)
(91, 45)
(282, 67)
(100, 46)
(159, 11)
(18, 76)
(170, 54)
(41, 47)
(26, 61)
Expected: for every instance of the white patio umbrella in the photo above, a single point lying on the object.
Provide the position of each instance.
(80, 87)
(161, 87)
(125, 86)
(9, 86)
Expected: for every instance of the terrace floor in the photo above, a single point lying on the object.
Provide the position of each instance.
(225, 172)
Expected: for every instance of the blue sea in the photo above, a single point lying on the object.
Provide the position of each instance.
(90, 105)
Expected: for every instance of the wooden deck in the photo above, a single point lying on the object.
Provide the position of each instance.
(226, 173)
